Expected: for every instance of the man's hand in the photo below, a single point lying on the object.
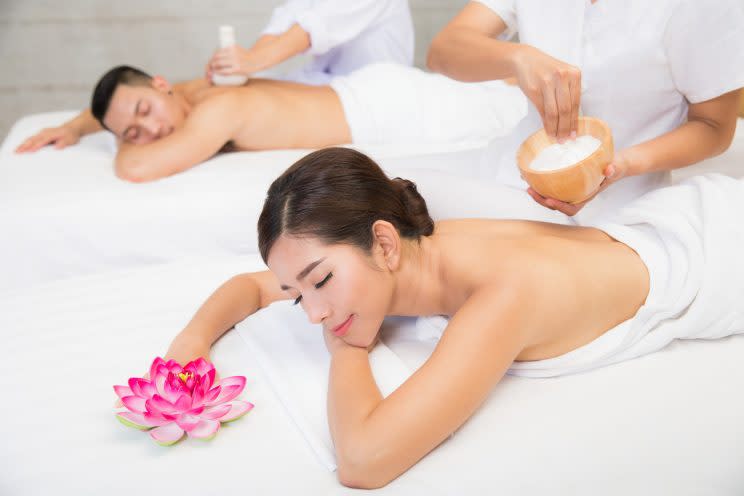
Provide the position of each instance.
(60, 137)
(615, 170)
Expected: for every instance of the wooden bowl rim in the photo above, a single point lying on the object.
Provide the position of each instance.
(595, 153)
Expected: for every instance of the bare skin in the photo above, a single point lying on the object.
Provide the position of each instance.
(489, 276)
(166, 129)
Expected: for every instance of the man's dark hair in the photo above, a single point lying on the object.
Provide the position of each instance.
(122, 74)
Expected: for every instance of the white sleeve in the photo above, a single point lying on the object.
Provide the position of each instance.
(285, 15)
(704, 43)
(508, 13)
(333, 22)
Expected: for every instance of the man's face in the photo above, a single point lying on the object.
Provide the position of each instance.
(143, 114)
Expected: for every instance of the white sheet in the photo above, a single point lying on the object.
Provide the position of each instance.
(64, 213)
(667, 423)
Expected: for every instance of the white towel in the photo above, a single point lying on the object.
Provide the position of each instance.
(691, 238)
(389, 103)
(293, 356)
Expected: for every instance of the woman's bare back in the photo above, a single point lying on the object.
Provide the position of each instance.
(587, 282)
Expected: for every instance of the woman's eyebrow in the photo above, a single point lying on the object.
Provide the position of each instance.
(304, 272)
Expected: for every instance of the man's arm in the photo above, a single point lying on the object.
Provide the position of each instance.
(207, 128)
(67, 134)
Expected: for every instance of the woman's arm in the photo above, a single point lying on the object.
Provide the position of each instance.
(267, 52)
(232, 302)
(378, 439)
(708, 132)
(467, 50)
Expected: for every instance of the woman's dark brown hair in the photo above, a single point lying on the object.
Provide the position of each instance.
(335, 195)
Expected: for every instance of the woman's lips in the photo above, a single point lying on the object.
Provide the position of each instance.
(341, 329)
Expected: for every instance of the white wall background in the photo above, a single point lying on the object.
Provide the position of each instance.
(53, 51)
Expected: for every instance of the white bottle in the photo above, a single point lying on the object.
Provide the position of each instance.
(227, 38)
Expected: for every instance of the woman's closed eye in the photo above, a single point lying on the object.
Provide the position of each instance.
(325, 280)
(317, 286)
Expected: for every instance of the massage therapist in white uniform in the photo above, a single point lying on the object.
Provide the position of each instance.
(340, 35)
(664, 75)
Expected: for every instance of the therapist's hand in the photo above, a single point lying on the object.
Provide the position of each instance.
(60, 137)
(232, 60)
(619, 168)
(554, 87)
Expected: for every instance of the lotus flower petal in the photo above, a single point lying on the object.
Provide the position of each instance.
(155, 419)
(210, 375)
(173, 388)
(159, 381)
(239, 408)
(212, 394)
(134, 403)
(158, 404)
(136, 420)
(122, 391)
(155, 365)
(174, 366)
(199, 367)
(141, 387)
(167, 434)
(183, 403)
(205, 429)
(187, 422)
(197, 395)
(216, 412)
(231, 387)
(196, 411)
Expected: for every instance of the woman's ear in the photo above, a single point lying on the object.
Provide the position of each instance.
(386, 244)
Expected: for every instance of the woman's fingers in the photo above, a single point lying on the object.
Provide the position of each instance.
(550, 109)
(574, 86)
(563, 104)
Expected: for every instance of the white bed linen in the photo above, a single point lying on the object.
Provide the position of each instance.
(667, 423)
(64, 213)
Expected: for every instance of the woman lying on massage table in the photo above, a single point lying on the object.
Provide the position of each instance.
(352, 246)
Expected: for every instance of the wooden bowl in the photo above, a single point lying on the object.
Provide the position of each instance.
(741, 103)
(574, 183)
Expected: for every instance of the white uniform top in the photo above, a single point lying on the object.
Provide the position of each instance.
(642, 63)
(347, 35)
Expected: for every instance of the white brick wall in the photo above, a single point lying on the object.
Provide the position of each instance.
(53, 51)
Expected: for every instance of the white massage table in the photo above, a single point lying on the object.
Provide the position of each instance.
(667, 423)
(64, 213)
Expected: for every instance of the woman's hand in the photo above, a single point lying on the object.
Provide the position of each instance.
(231, 60)
(61, 137)
(620, 167)
(554, 87)
(186, 347)
(334, 343)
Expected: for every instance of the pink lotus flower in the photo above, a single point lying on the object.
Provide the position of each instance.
(177, 400)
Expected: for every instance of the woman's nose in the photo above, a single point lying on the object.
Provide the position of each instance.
(316, 312)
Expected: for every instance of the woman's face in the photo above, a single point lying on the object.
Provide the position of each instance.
(338, 286)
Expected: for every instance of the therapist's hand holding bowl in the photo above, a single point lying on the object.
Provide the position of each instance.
(568, 188)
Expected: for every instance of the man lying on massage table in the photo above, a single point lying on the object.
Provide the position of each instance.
(164, 129)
